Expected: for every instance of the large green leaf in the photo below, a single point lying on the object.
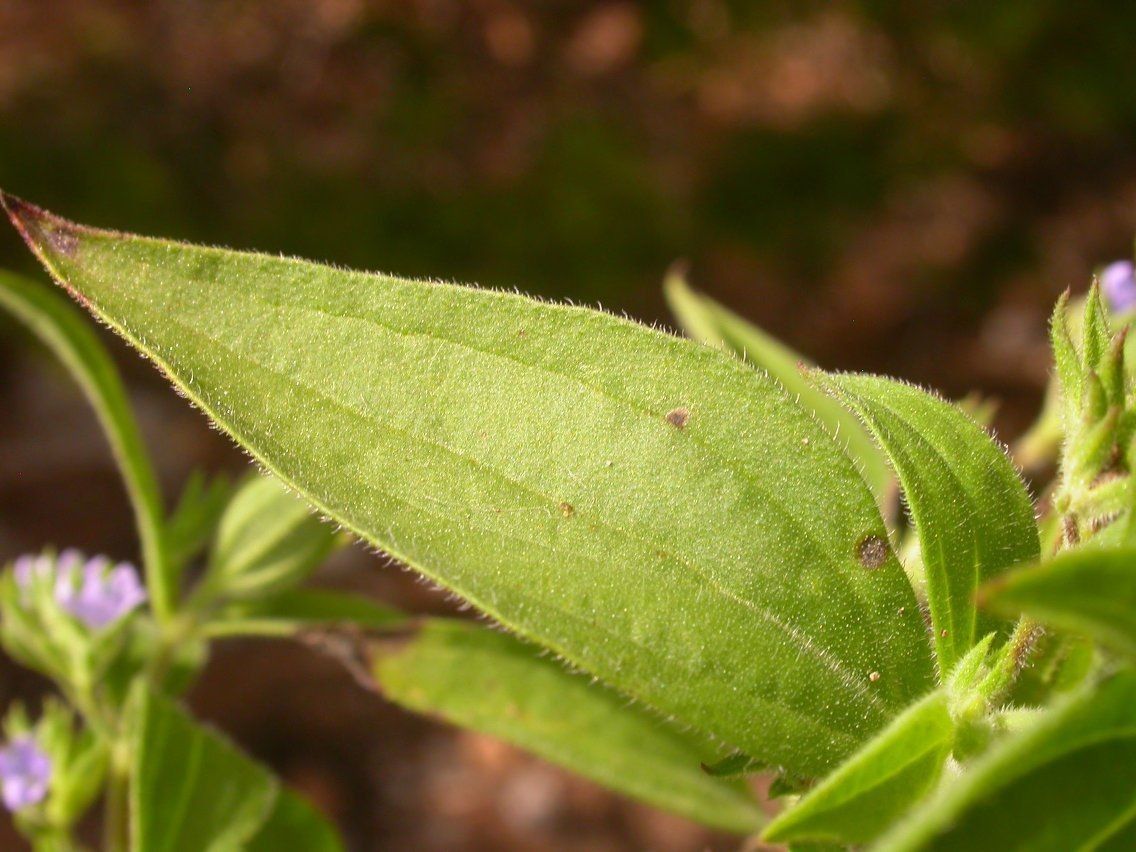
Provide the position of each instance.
(491, 682)
(654, 511)
(707, 321)
(71, 338)
(1090, 591)
(193, 790)
(865, 794)
(971, 511)
(1068, 782)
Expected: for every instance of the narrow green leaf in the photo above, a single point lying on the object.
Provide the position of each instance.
(268, 539)
(492, 683)
(65, 332)
(652, 510)
(1089, 590)
(1095, 333)
(294, 824)
(194, 521)
(296, 609)
(193, 790)
(708, 322)
(971, 511)
(867, 792)
(1066, 782)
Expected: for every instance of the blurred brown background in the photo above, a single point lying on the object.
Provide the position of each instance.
(894, 186)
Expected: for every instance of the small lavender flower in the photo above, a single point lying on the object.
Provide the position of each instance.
(95, 593)
(1118, 281)
(25, 773)
(26, 569)
(92, 591)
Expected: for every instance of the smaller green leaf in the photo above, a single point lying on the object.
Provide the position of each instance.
(1089, 590)
(1068, 364)
(705, 320)
(68, 334)
(1095, 334)
(296, 609)
(971, 511)
(1067, 781)
(867, 792)
(193, 790)
(294, 824)
(267, 540)
(492, 683)
(194, 521)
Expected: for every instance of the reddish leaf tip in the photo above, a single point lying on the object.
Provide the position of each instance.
(41, 230)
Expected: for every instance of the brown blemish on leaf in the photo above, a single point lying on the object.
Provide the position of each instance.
(567, 510)
(678, 417)
(872, 551)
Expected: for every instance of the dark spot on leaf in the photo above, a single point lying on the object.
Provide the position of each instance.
(567, 510)
(678, 417)
(872, 551)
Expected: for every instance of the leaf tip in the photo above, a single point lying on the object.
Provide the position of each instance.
(45, 233)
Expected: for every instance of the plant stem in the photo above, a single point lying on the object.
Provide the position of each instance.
(116, 819)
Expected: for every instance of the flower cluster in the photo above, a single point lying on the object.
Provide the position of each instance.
(94, 591)
(25, 773)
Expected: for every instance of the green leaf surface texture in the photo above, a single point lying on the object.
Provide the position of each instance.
(715, 325)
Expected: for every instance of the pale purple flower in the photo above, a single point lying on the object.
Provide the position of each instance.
(95, 593)
(1118, 281)
(25, 773)
(27, 568)
(92, 590)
